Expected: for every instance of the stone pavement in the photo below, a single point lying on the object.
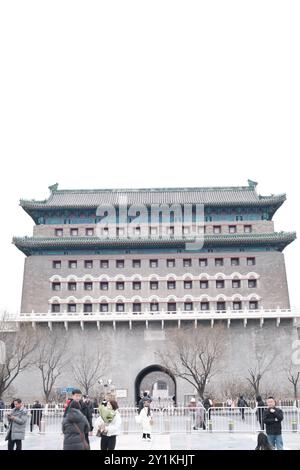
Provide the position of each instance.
(194, 441)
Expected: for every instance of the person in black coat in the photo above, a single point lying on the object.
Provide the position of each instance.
(261, 406)
(36, 415)
(75, 426)
(87, 409)
(242, 404)
(272, 418)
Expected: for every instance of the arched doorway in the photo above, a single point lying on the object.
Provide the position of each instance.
(153, 378)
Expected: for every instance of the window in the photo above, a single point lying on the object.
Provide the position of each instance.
(120, 285)
(219, 262)
(232, 228)
(253, 305)
(72, 286)
(235, 262)
(217, 228)
(105, 232)
(71, 308)
(56, 286)
(136, 285)
(59, 232)
(171, 230)
(154, 307)
(89, 232)
(103, 307)
(202, 262)
(120, 263)
(187, 262)
(252, 283)
(55, 308)
(237, 305)
(239, 217)
(120, 231)
(250, 261)
(56, 264)
(248, 228)
(88, 264)
(204, 305)
(74, 232)
(88, 286)
(220, 284)
(138, 230)
(136, 263)
(171, 284)
(188, 306)
(171, 263)
(186, 230)
(171, 306)
(120, 307)
(104, 263)
(188, 284)
(153, 285)
(203, 284)
(136, 307)
(72, 264)
(88, 308)
(153, 263)
(103, 285)
(236, 284)
(221, 306)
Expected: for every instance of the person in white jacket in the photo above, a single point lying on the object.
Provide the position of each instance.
(146, 420)
(110, 431)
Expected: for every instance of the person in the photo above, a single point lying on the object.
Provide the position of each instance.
(75, 427)
(242, 404)
(76, 396)
(17, 419)
(261, 406)
(146, 420)
(145, 397)
(229, 403)
(200, 416)
(36, 415)
(262, 442)
(87, 409)
(2, 407)
(272, 418)
(192, 408)
(109, 426)
(208, 405)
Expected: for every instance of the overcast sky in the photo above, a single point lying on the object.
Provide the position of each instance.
(100, 94)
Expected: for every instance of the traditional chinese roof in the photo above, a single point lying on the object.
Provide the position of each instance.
(30, 244)
(211, 196)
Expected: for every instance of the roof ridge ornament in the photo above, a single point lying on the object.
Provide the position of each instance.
(252, 184)
(53, 187)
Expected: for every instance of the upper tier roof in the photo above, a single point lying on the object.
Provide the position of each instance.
(213, 196)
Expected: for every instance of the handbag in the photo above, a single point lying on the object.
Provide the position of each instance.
(85, 444)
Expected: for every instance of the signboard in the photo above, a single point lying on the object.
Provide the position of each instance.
(121, 393)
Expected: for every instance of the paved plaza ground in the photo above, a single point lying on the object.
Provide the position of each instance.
(193, 441)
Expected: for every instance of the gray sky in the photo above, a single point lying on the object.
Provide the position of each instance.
(103, 94)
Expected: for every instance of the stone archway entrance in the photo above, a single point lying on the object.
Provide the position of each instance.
(158, 381)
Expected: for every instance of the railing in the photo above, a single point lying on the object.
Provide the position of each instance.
(180, 419)
(244, 314)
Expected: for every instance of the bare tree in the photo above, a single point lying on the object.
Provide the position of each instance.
(261, 364)
(51, 358)
(234, 386)
(193, 355)
(17, 347)
(293, 376)
(90, 365)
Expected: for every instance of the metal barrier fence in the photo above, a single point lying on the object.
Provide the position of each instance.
(169, 420)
